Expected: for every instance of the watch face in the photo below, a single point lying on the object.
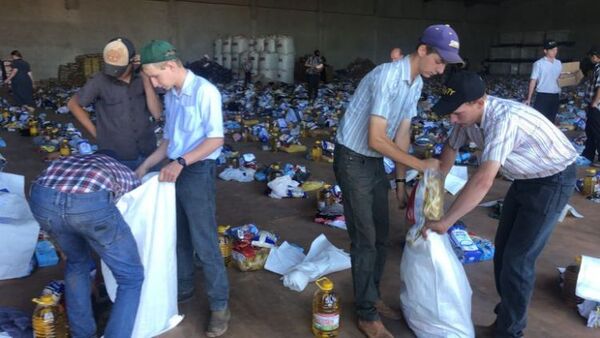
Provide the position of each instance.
(181, 161)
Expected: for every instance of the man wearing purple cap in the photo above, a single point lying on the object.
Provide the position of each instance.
(541, 160)
(377, 124)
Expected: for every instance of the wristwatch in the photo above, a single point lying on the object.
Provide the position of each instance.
(400, 180)
(182, 161)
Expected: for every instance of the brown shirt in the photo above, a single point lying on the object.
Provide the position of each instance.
(122, 118)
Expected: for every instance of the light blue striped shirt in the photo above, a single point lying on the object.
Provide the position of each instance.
(387, 92)
(525, 143)
(192, 115)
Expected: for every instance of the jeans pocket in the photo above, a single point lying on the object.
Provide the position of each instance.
(103, 230)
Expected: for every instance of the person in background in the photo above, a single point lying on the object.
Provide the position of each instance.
(247, 67)
(592, 125)
(124, 100)
(192, 140)
(544, 81)
(314, 67)
(74, 201)
(396, 54)
(21, 81)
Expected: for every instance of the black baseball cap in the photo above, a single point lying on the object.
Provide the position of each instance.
(461, 87)
(595, 50)
(549, 44)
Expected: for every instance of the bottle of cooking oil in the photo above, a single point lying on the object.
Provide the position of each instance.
(326, 310)
(33, 128)
(589, 182)
(274, 140)
(225, 244)
(64, 148)
(49, 320)
(317, 151)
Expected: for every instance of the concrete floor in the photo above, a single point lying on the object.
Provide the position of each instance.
(263, 307)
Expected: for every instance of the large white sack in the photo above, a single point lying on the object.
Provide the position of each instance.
(150, 212)
(434, 291)
(18, 227)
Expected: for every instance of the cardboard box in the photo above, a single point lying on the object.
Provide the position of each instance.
(570, 75)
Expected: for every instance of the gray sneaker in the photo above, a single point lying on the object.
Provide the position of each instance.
(218, 323)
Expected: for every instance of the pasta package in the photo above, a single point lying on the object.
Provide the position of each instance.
(433, 207)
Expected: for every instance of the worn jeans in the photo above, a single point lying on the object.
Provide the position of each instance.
(313, 85)
(80, 223)
(592, 132)
(365, 190)
(530, 212)
(197, 233)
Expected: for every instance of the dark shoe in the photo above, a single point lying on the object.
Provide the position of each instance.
(218, 323)
(387, 311)
(185, 297)
(374, 329)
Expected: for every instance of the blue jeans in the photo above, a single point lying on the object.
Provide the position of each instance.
(80, 223)
(197, 233)
(529, 214)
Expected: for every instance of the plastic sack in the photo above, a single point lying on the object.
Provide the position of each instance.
(20, 230)
(323, 258)
(434, 290)
(149, 211)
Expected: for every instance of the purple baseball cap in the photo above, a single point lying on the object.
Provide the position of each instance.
(445, 41)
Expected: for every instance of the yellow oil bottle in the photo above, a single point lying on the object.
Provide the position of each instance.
(49, 319)
(326, 310)
(33, 128)
(225, 244)
(589, 182)
(317, 151)
(64, 148)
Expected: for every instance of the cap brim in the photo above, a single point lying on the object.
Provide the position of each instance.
(450, 56)
(114, 71)
(446, 106)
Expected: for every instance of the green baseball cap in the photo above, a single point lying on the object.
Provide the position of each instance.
(158, 51)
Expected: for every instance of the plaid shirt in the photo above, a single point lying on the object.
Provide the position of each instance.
(594, 84)
(82, 174)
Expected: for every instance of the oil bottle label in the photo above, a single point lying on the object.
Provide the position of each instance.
(326, 321)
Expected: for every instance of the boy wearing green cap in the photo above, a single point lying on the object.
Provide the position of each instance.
(193, 137)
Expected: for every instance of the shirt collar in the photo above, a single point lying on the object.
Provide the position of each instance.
(187, 88)
(486, 110)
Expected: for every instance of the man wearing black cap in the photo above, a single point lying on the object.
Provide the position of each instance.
(592, 126)
(124, 101)
(544, 80)
(540, 159)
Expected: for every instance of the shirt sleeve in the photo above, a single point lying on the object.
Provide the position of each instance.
(500, 139)
(210, 110)
(535, 72)
(89, 92)
(380, 90)
(168, 128)
(414, 101)
(458, 137)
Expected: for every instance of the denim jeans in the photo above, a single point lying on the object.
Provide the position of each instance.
(365, 190)
(80, 223)
(197, 233)
(547, 104)
(530, 211)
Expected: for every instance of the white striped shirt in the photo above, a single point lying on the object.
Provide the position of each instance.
(526, 143)
(387, 92)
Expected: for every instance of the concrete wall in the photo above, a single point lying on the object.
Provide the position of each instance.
(577, 16)
(53, 32)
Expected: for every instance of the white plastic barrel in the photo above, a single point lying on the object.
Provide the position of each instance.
(226, 60)
(285, 44)
(218, 46)
(286, 76)
(254, 56)
(226, 45)
(271, 44)
(269, 74)
(218, 58)
(268, 61)
(286, 62)
(239, 44)
(259, 44)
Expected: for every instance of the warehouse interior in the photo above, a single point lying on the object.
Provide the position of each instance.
(501, 38)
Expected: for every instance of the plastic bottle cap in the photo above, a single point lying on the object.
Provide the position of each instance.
(324, 284)
(591, 171)
(222, 228)
(44, 300)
